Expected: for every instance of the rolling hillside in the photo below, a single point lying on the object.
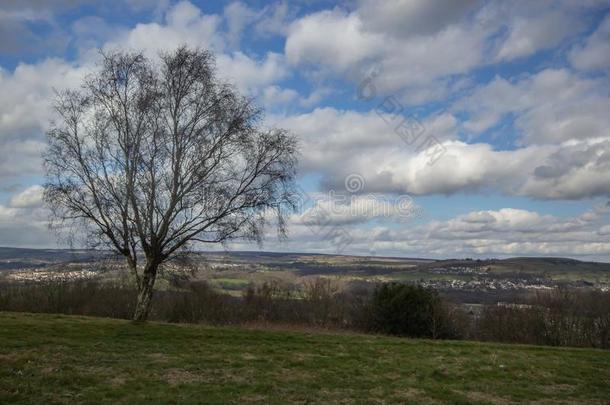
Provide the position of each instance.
(63, 359)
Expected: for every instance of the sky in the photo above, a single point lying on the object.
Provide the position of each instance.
(427, 128)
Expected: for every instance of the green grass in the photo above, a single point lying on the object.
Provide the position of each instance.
(68, 359)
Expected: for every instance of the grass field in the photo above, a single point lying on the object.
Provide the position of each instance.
(65, 359)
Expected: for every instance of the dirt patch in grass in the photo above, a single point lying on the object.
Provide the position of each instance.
(50, 370)
(249, 356)
(413, 394)
(118, 381)
(252, 399)
(486, 398)
(161, 358)
(176, 376)
(557, 389)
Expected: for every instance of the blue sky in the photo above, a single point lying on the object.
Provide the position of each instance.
(512, 98)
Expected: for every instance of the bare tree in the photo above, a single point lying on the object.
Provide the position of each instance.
(150, 157)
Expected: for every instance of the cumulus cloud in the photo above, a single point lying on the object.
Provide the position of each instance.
(551, 106)
(538, 29)
(21, 228)
(250, 75)
(25, 111)
(28, 90)
(416, 42)
(16, 34)
(535, 171)
(331, 38)
(576, 171)
(183, 23)
(339, 42)
(274, 95)
(25, 105)
(345, 208)
(24, 222)
(554, 115)
(502, 232)
(604, 230)
(238, 16)
(484, 233)
(593, 53)
(275, 19)
(405, 18)
(31, 197)
(19, 159)
(91, 31)
(339, 143)
(34, 27)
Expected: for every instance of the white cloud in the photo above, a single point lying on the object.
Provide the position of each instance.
(425, 51)
(20, 158)
(479, 222)
(516, 231)
(25, 225)
(339, 143)
(31, 197)
(484, 233)
(419, 45)
(25, 110)
(503, 232)
(405, 18)
(422, 59)
(338, 208)
(183, 23)
(339, 41)
(28, 90)
(551, 106)
(16, 33)
(91, 32)
(275, 19)
(157, 5)
(274, 95)
(593, 53)
(604, 230)
(332, 38)
(249, 74)
(238, 16)
(575, 171)
(25, 105)
(537, 30)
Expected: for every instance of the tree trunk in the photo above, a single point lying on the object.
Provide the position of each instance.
(145, 293)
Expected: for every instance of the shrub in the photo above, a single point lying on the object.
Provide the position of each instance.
(560, 317)
(82, 297)
(196, 303)
(409, 310)
(511, 323)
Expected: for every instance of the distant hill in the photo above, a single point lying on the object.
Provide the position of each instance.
(19, 258)
(16, 258)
